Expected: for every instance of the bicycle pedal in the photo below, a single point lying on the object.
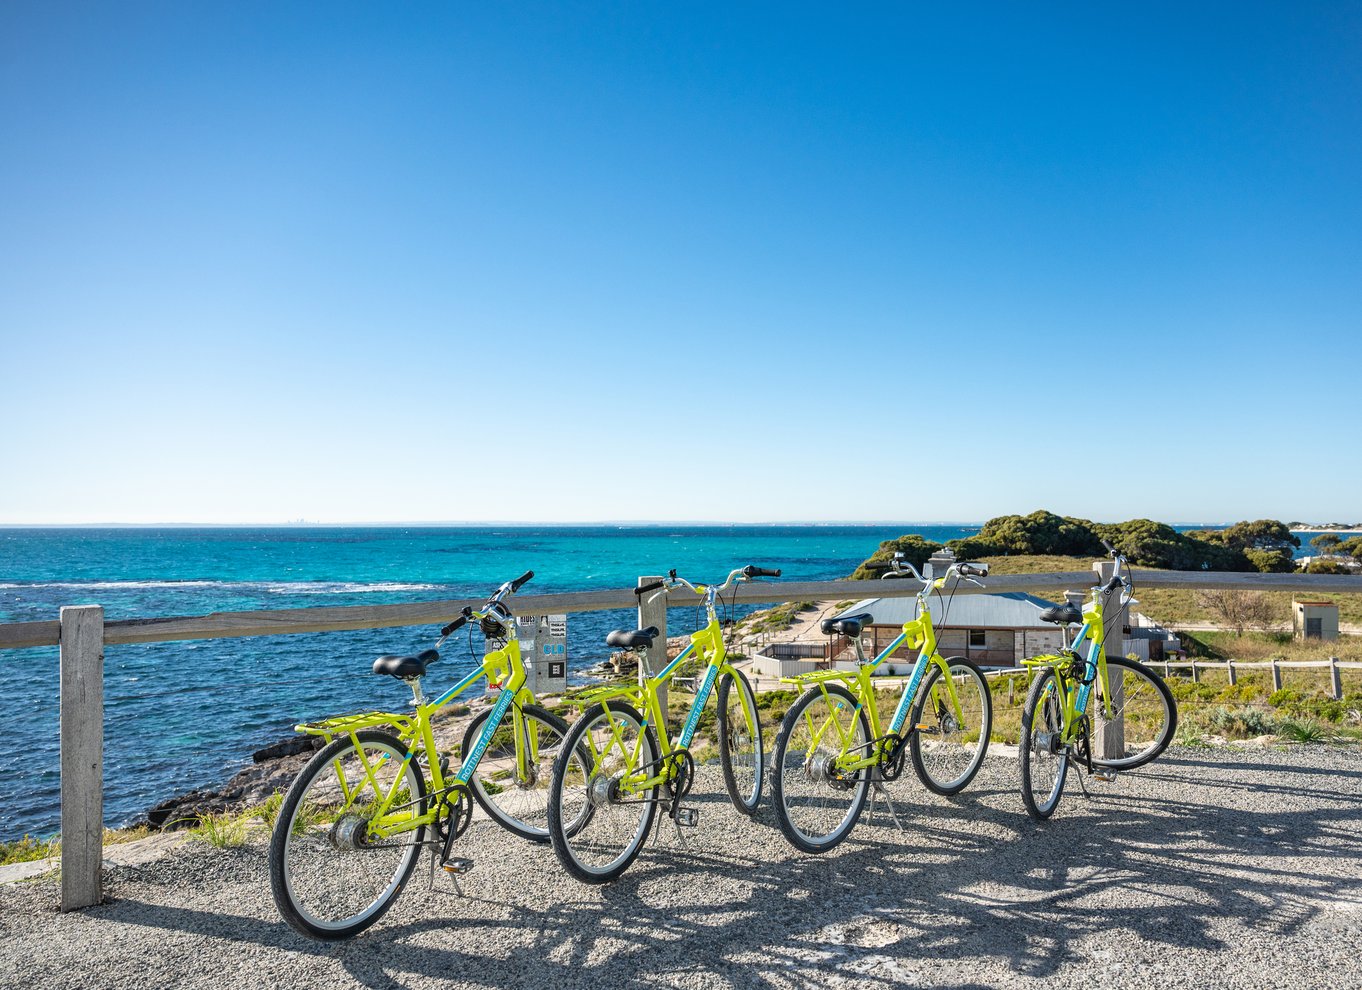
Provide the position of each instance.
(1105, 776)
(457, 866)
(689, 817)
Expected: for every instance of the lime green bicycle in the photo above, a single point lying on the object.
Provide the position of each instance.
(1136, 711)
(833, 749)
(356, 819)
(614, 769)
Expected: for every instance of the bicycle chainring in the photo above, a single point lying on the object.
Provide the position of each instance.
(892, 757)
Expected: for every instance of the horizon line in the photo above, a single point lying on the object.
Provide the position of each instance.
(472, 523)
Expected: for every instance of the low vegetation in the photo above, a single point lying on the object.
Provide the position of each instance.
(30, 848)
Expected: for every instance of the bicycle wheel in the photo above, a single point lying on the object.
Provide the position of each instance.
(1145, 716)
(597, 821)
(949, 751)
(333, 874)
(1044, 761)
(740, 744)
(816, 805)
(511, 781)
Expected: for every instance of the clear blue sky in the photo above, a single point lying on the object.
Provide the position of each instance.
(262, 262)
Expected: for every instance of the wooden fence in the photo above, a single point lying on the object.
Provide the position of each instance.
(81, 633)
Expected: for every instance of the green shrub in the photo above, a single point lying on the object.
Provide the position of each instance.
(28, 849)
(1305, 730)
(1284, 697)
(1240, 723)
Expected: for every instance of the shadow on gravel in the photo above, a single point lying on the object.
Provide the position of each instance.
(971, 882)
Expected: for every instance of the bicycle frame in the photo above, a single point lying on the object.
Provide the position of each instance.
(709, 642)
(918, 634)
(1074, 695)
(501, 668)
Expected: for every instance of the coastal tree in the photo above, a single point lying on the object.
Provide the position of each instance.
(1266, 543)
(1042, 532)
(1326, 543)
(916, 548)
(1238, 609)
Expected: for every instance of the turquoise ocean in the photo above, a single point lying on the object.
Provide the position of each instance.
(180, 716)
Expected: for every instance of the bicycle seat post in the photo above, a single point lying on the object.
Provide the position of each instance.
(861, 659)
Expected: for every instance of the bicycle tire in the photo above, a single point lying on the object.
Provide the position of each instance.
(740, 748)
(567, 831)
(314, 860)
(1032, 760)
(944, 730)
(813, 769)
(528, 816)
(1146, 686)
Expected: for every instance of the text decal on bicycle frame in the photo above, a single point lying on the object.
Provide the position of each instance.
(488, 730)
(909, 693)
(701, 697)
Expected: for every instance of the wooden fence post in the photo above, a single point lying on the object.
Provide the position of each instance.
(1196, 678)
(1276, 676)
(1335, 679)
(82, 755)
(652, 611)
(1229, 669)
(1111, 735)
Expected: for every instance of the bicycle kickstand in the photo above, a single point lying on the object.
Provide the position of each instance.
(878, 790)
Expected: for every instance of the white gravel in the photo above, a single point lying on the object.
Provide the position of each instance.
(1216, 868)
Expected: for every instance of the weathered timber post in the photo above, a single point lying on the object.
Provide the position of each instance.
(1110, 741)
(1229, 668)
(652, 611)
(1276, 675)
(82, 755)
(1196, 678)
(1335, 680)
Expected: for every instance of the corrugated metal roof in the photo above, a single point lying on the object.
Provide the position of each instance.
(1013, 610)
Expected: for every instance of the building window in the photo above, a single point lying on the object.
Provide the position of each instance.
(977, 639)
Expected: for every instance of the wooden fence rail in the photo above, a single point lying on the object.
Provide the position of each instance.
(81, 633)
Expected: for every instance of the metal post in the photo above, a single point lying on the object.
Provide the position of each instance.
(82, 755)
(652, 611)
(1110, 736)
(1335, 679)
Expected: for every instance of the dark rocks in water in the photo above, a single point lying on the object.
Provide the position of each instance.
(288, 747)
(274, 769)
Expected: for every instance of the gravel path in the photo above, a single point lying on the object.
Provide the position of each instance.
(1225, 868)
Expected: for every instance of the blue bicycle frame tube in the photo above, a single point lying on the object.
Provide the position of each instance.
(458, 687)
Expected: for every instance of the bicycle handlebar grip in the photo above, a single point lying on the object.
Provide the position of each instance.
(1113, 584)
(456, 624)
(752, 570)
(644, 589)
(1110, 548)
(515, 585)
(973, 570)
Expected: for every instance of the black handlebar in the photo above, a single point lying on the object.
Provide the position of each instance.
(1113, 584)
(752, 570)
(457, 623)
(645, 588)
(516, 584)
(973, 570)
(1110, 549)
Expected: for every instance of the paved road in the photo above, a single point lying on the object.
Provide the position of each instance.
(1216, 868)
